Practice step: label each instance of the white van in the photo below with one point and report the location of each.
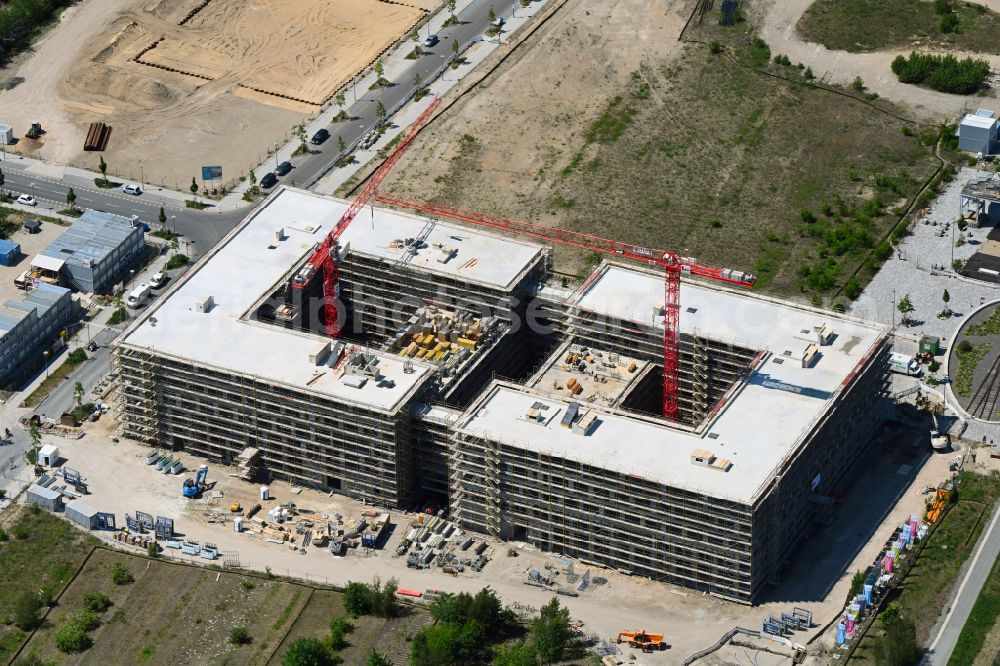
(22, 280)
(904, 365)
(138, 295)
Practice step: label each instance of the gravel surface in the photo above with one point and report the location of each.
(921, 268)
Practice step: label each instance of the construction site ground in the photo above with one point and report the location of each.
(886, 493)
(246, 68)
(604, 122)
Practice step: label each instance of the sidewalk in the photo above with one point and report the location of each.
(474, 56)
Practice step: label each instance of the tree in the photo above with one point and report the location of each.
(103, 166)
(857, 583)
(339, 628)
(356, 599)
(858, 83)
(120, 575)
(376, 659)
(380, 111)
(341, 146)
(78, 394)
(194, 186)
(307, 651)
(905, 307)
(1, 183)
(550, 632)
(71, 199)
(417, 80)
(892, 613)
(492, 16)
(26, 611)
(379, 69)
(454, 48)
(163, 216)
(853, 288)
(946, 297)
(451, 6)
(36, 443)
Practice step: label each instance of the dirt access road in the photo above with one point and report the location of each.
(778, 21)
(221, 86)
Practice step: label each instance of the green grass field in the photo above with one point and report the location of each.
(871, 25)
(174, 613)
(44, 551)
(981, 622)
(925, 590)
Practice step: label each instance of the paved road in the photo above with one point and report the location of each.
(201, 228)
(205, 228)
(89, 374)
(474, 20)
(987, 549)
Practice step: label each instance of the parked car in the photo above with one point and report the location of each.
(283, 168)
(27, 200)
(132, 189)
(269, 180)
(320, 136)
(431, 41)
(158, 280)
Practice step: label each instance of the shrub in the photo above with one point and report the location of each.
(307, 651)
(934, 366)
(120, 575)
(371, 599)
(247, 585)
(852, 289)
(3, 534)
(177, 261)
(26, 611)
(96, 602)
(714, 46)
(339, 628)
(240, 636)
(949, 23)
(964, 347)
(76, 356)
(72, 638)
(86, 620)
(942, 73)
(807, 216)
(858, 83)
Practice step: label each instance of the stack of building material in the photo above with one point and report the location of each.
(97, 137)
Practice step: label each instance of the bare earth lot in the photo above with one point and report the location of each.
(245, 68)
(651, 142)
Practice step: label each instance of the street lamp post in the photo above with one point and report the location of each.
(45, 359)
(142, 178)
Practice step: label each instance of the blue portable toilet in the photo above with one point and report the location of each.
(10, 252)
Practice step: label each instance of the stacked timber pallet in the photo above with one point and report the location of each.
(97, 137)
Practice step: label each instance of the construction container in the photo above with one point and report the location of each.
(81, 514)
(10, 252)
(45, 498)
(265, 493)
(48, 455)
(6, 134)
(928, 343)
(238, 524)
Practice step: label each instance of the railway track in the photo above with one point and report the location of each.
(983, 403)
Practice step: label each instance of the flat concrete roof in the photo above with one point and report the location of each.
(236, 274)
(763, 421)
(976, 120)
(480, 257)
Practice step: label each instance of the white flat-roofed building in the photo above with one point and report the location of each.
(722, 499)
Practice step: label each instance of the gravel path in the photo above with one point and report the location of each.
(778, 29)
(911, 271)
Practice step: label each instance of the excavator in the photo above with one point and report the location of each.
(640, 638)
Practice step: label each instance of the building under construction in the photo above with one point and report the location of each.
(464, 377)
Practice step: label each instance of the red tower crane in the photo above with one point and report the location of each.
(672, 264)
(325, 255)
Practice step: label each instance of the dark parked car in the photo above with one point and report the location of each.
(283, 168)
(269, 180)
(320, 136)
(431, 41)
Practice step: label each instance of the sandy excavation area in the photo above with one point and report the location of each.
(220, 85)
